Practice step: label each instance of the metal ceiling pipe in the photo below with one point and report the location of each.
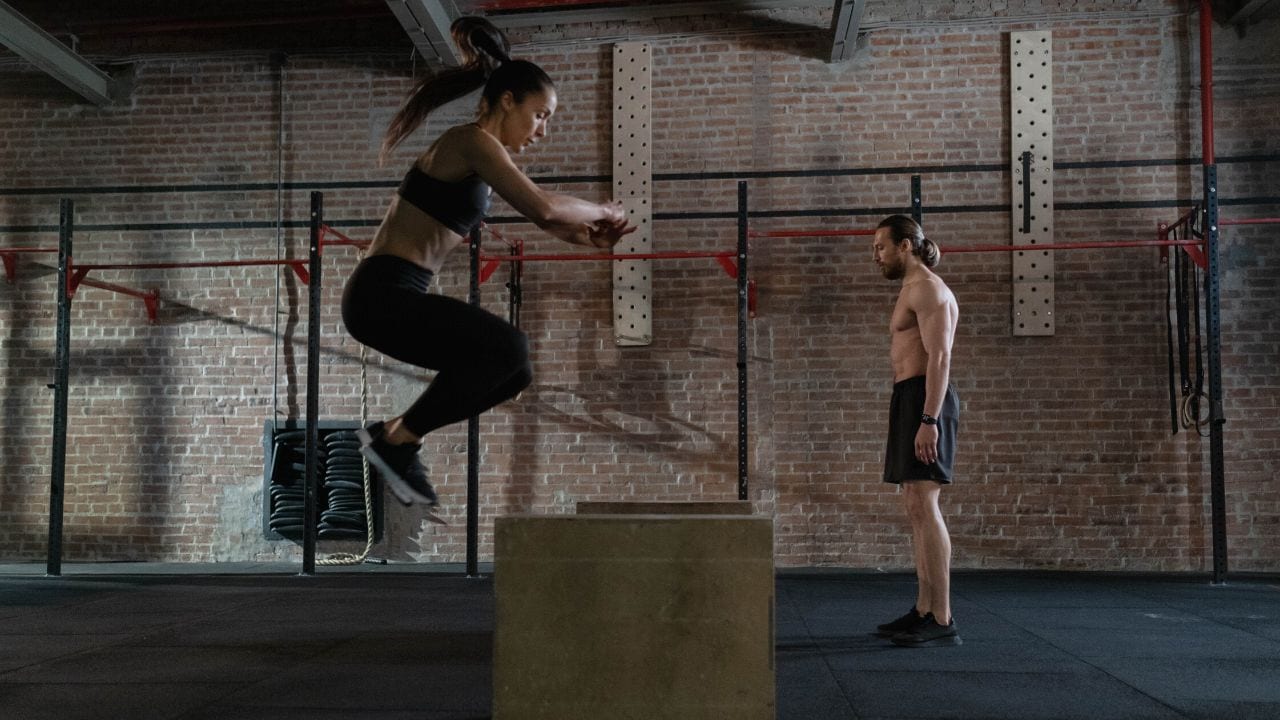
(500, 5)
(152, 26)
(1206, 80)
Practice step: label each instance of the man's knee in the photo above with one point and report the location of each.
(920, 497)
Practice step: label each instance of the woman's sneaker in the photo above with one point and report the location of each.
(907, 622)
(398, 465)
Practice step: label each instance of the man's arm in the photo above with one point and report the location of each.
(932, 306)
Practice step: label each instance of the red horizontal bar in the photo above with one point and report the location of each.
(10, 258)
(725, 259)
(517, 244)
(150, 298)
(81, 272)
(1072, 246)
(172, 266)
(809, 233)
(140, 294)
(325, 229)
(617, 258)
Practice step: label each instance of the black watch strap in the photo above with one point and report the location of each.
(927, 419)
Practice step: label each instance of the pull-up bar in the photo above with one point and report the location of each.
(1071, 246)
(807, 233)
(342, 239)
(10, 258)
(492, 262)
(79, 276)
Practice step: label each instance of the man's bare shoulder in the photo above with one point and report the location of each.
(928, 292)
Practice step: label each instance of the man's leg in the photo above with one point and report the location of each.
(923, 598)
(932, 548)
(915, 617)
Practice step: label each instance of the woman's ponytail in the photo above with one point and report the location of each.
(482, 48)
(478, 41)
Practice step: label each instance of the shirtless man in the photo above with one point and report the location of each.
(923, 417)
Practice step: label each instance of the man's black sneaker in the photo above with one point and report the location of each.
(907, 622)
(928, 634)
(398, 464)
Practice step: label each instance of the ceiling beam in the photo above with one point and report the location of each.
(632, 13)
(45, 52)
(846, 18)
(1247, 10)
(427, 23)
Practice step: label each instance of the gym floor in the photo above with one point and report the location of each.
(155, 641)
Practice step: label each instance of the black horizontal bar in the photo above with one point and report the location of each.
(1264, 200)
(658, 177)
(670, 216)
(199, 188)
(834, 172)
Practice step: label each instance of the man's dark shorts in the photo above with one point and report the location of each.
(905, 408)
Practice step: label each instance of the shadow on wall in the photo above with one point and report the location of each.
(27, 303)
(145, 454)
(801, 39)
(609, 416)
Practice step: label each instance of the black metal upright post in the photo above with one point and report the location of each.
(61, 388)
(473, 437)
(310, 494)
(1217, 471)
(1217, 417)
(917, 200)
(742, 340)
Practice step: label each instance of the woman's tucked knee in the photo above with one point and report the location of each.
(520, 366)
(522, 378)
(516, 356)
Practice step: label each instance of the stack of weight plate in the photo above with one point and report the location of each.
(288, 478)
(343, 516)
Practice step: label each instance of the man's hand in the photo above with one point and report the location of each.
(927, 443)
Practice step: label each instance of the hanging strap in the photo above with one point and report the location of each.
(1191, 410)
(1168, 326)
(354, 558)
(515, 283)
(1184, 323)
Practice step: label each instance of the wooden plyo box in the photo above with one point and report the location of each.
(694, 507)
(643, 617)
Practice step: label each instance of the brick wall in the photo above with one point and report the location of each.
(1066, 460)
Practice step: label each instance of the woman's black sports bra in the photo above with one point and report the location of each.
(459, 206)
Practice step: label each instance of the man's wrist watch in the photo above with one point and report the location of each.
(927, 419)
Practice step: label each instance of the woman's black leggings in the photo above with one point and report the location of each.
(480, 359)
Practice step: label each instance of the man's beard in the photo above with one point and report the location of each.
(893, 272)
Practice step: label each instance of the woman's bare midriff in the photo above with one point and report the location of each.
(409, 233)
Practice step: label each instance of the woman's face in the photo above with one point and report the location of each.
(525, 122)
